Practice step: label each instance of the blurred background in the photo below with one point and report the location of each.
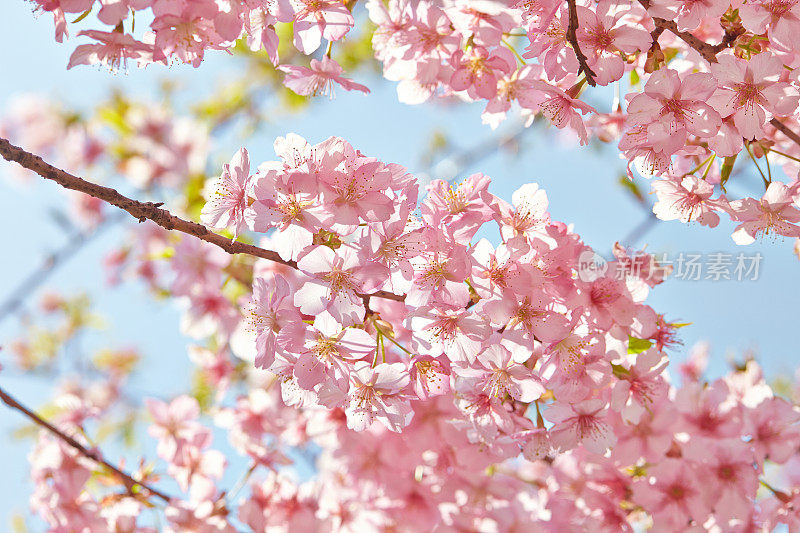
(434, 141)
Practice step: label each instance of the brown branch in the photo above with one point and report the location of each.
(706, 50)
(783, 128)
(125, 478)
(572, 36)
(146, 210)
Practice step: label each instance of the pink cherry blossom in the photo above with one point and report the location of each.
(374, 395)
(580, 423)
(228, 195)
(686, 199)
(318, 80)
(774, 213)
(751, 92)
(113, 50)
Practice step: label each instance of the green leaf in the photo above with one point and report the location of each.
(630, 185)
(638, 345)
(727, 168)
(635, 77)
(620, 371)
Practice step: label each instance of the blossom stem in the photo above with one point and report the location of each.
(514, 51)
(701, 165)
(241, 482)
(787, 156)
(763, 177)
(708, 167)
(384, 334)
(126, 479)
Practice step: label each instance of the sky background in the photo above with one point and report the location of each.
(581, 184)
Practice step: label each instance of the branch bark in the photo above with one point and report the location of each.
(124, 478)
(572, 36)
(147, 210)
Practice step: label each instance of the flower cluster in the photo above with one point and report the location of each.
(437, 379)
(689, 102)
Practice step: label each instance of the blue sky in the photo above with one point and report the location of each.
(580, 182)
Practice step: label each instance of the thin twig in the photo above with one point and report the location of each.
(640, 230)
(783, 128)
(95, 456)
(37, 277)
(146, 210)
(572, 36)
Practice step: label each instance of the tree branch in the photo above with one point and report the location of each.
(146, 210)
(706, 50)
(572, 36)
(783, 128)
(37, 277)
(125, 478)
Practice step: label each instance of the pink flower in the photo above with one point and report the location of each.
(356, 191)
(496, 271)
(603, 39)
(114, 49)
(580, 423)
(527, 215)
(751, 92)
(374, 394)
(774, 213)
(686, 199)
(394, 243)
(497, 374)
(173, 423)
(478, 70)
(648, 439)
(462, 209)
(639, 387)
(774, 430)
(706, 412)
(672, 495)
(318, 19)
(562, 110)
(269, 310)
(689, 14)
(228, 197)
(529, 313)
(325, 350)
(729, 478)
(319, 79)
(455, 333)
(294, 213)
(780, 18)
(335, 280)
(679, 105)
(439, 273)
(429, 378)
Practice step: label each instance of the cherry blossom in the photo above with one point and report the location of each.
(319, 79)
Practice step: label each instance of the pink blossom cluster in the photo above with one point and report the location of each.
(717, 84)
(182, 30)
(450, 356)
(440, 381)
(693, 459)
